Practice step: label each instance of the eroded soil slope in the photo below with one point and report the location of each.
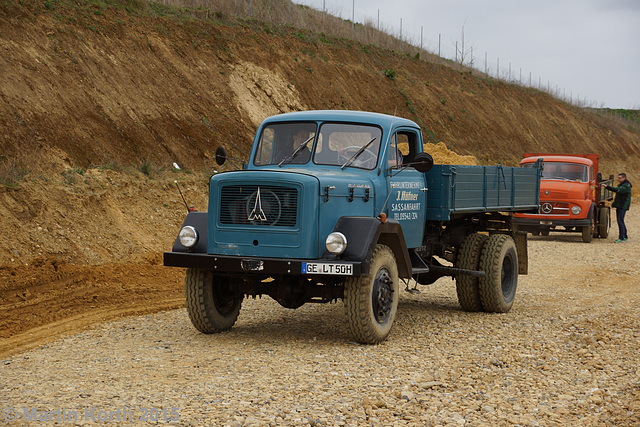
(109, 83)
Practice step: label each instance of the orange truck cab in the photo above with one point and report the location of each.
(571, 198)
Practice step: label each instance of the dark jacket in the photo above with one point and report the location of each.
(622, 199)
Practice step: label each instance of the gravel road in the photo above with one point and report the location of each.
(566, 354)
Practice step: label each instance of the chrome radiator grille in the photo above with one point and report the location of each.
(261, 205)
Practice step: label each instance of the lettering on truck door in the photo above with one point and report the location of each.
(407, 198)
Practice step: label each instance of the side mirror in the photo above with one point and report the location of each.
(599, 177)
(221, 156)
(423, 162)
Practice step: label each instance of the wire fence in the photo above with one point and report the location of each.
(342, 20)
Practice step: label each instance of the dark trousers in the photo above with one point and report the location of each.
(620, 213)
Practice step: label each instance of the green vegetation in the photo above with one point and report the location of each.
(71, 175)
(391, 74)
(430, 136)
(324, 39)
(408, 103)
(303, 37)
(11, 171)
(632, 117)
(145, 168)
(114, 166)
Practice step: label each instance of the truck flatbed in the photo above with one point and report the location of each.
(464, 189)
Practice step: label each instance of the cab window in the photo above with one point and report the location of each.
(403, 148)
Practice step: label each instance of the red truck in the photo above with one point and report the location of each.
(571, 198)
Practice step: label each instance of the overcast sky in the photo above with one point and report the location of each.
(579, 48)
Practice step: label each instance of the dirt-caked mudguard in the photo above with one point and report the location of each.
(363, 233)
(197, 220)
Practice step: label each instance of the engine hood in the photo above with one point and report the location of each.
(563, 190)
(338, 182)
(283, 212)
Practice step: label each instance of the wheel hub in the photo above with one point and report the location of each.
(506, 276)
(382, 295)
(223, 299)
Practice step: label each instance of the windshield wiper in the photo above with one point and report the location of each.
(295, 153)
(360, 151)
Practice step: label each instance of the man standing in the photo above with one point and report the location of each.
(621, 202)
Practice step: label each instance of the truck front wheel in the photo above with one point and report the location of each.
(588, 231)
(499, 261)
(371, 301)
(210, 303)
(604, 223)
(469, 259)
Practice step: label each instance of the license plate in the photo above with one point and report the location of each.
(327, 268)
(546, 222)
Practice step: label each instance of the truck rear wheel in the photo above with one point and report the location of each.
(604, 225)
(499, 261)
(587, 233)
(209, 304)
(371, 301)
(469, 259)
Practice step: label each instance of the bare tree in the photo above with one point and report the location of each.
(462, 52)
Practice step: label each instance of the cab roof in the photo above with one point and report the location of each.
(564, 159)
(345, 116)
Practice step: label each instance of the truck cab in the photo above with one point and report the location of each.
(571, 199)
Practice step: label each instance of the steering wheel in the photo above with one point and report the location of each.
(369, 161)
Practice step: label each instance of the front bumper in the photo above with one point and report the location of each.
(236, 265)
(532, 223)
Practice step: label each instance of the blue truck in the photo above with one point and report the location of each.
(344, 205)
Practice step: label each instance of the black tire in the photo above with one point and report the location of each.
(469, 259)
(588, 231)
(209, 305)
(536, 232)
(604, 223)
(545, 232)
(499, 261)
(371, 301)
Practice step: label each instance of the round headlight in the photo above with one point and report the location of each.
(336, 243)
(576, 210)
(188, 236)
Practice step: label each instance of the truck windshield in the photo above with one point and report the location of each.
(563, 171)
(334, 144)
(349, 145)
(279, 141)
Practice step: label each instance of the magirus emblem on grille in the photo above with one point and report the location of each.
(257, 213)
